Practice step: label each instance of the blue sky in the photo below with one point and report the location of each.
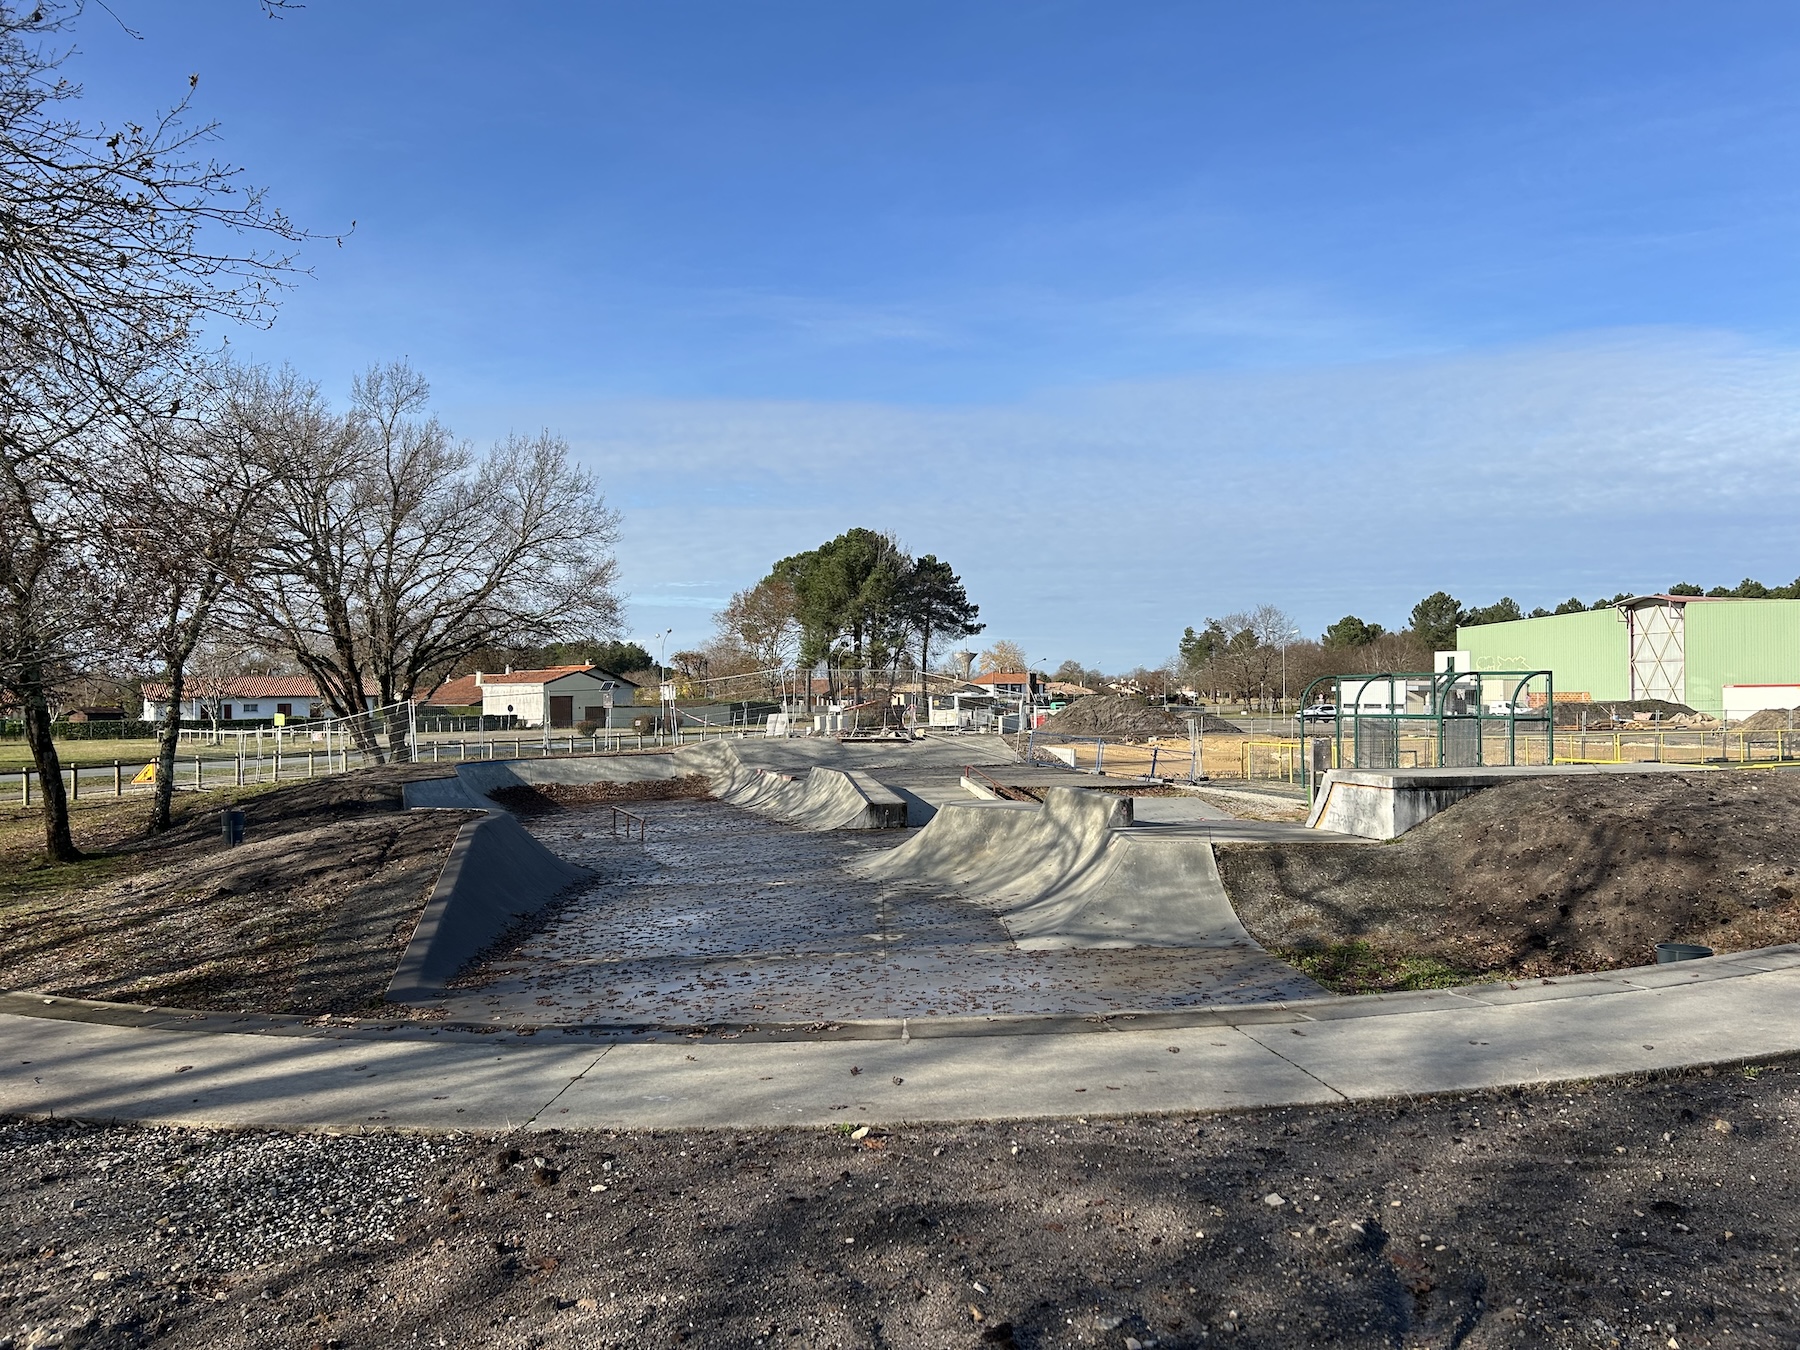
(1136, 314)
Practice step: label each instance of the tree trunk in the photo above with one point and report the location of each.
(168, 739)
(59, 845)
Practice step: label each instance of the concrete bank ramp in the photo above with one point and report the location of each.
(496, 875)
(1072, 873)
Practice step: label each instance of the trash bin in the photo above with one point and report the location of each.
(1680, 951)
(231, 829)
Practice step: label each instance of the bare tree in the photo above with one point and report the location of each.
(179, 496)
(763, 623)
(50, 614)
(1247, 650)
(388, 552)
(1003, 658)
(114, 244)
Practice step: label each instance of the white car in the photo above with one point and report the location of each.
(1319, 710)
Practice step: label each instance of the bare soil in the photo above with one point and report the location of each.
(1629, 1213)
(309, 915)
(1128, 716)
(1623, 712)
(1542, 877)
(543, 798)
(1770, 719)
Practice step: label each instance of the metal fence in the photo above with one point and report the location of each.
(1273, 759)
(234, 760)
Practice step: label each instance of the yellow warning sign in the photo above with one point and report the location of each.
(147, 774)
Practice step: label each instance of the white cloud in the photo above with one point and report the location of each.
(1097, 522)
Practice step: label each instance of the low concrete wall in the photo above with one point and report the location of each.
(1386, 803)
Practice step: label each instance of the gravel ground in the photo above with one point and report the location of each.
(1619, 1214)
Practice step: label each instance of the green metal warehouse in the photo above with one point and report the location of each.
(1718, 656)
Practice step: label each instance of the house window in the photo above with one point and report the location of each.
(252, 707)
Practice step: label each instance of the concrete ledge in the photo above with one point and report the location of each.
(1386, 803)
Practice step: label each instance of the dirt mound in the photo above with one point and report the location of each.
(310, 915)
(1627, 711)
(1771, 719)
(1125, 715)
(536, 799)
(1542, 877)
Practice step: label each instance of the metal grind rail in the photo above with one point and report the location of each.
(642, 823)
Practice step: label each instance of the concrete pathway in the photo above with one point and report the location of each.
(68, 1058)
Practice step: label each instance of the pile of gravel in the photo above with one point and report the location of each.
(228, 1200)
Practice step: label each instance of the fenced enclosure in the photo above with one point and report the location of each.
(1416, 720)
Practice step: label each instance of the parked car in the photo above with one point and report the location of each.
(1319, 711)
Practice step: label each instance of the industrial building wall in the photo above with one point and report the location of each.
(1586, 653)
(1739, 642)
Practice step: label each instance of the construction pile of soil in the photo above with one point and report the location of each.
(1771, 719)
(1629, 712)
(309, 915)
(1125, 716)
(542, 798)
(1543, 877)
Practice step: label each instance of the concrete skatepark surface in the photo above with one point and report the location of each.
(120, 1062)
(722, 916)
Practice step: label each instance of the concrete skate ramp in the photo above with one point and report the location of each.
(496, 874)
(1072, 873)
(824, 798)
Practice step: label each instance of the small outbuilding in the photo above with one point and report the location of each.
(557, 696)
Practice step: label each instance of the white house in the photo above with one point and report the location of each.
(252, 698)
(559, 696)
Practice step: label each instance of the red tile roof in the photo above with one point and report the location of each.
(462, 692)
(248, 686)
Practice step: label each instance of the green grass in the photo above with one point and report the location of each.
(16, 755)
(1358, 968)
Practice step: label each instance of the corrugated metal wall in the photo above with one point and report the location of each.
(1737, 642)
(1587, 652)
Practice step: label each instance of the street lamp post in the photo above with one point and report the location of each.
(1286, 638)
(662, 675)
